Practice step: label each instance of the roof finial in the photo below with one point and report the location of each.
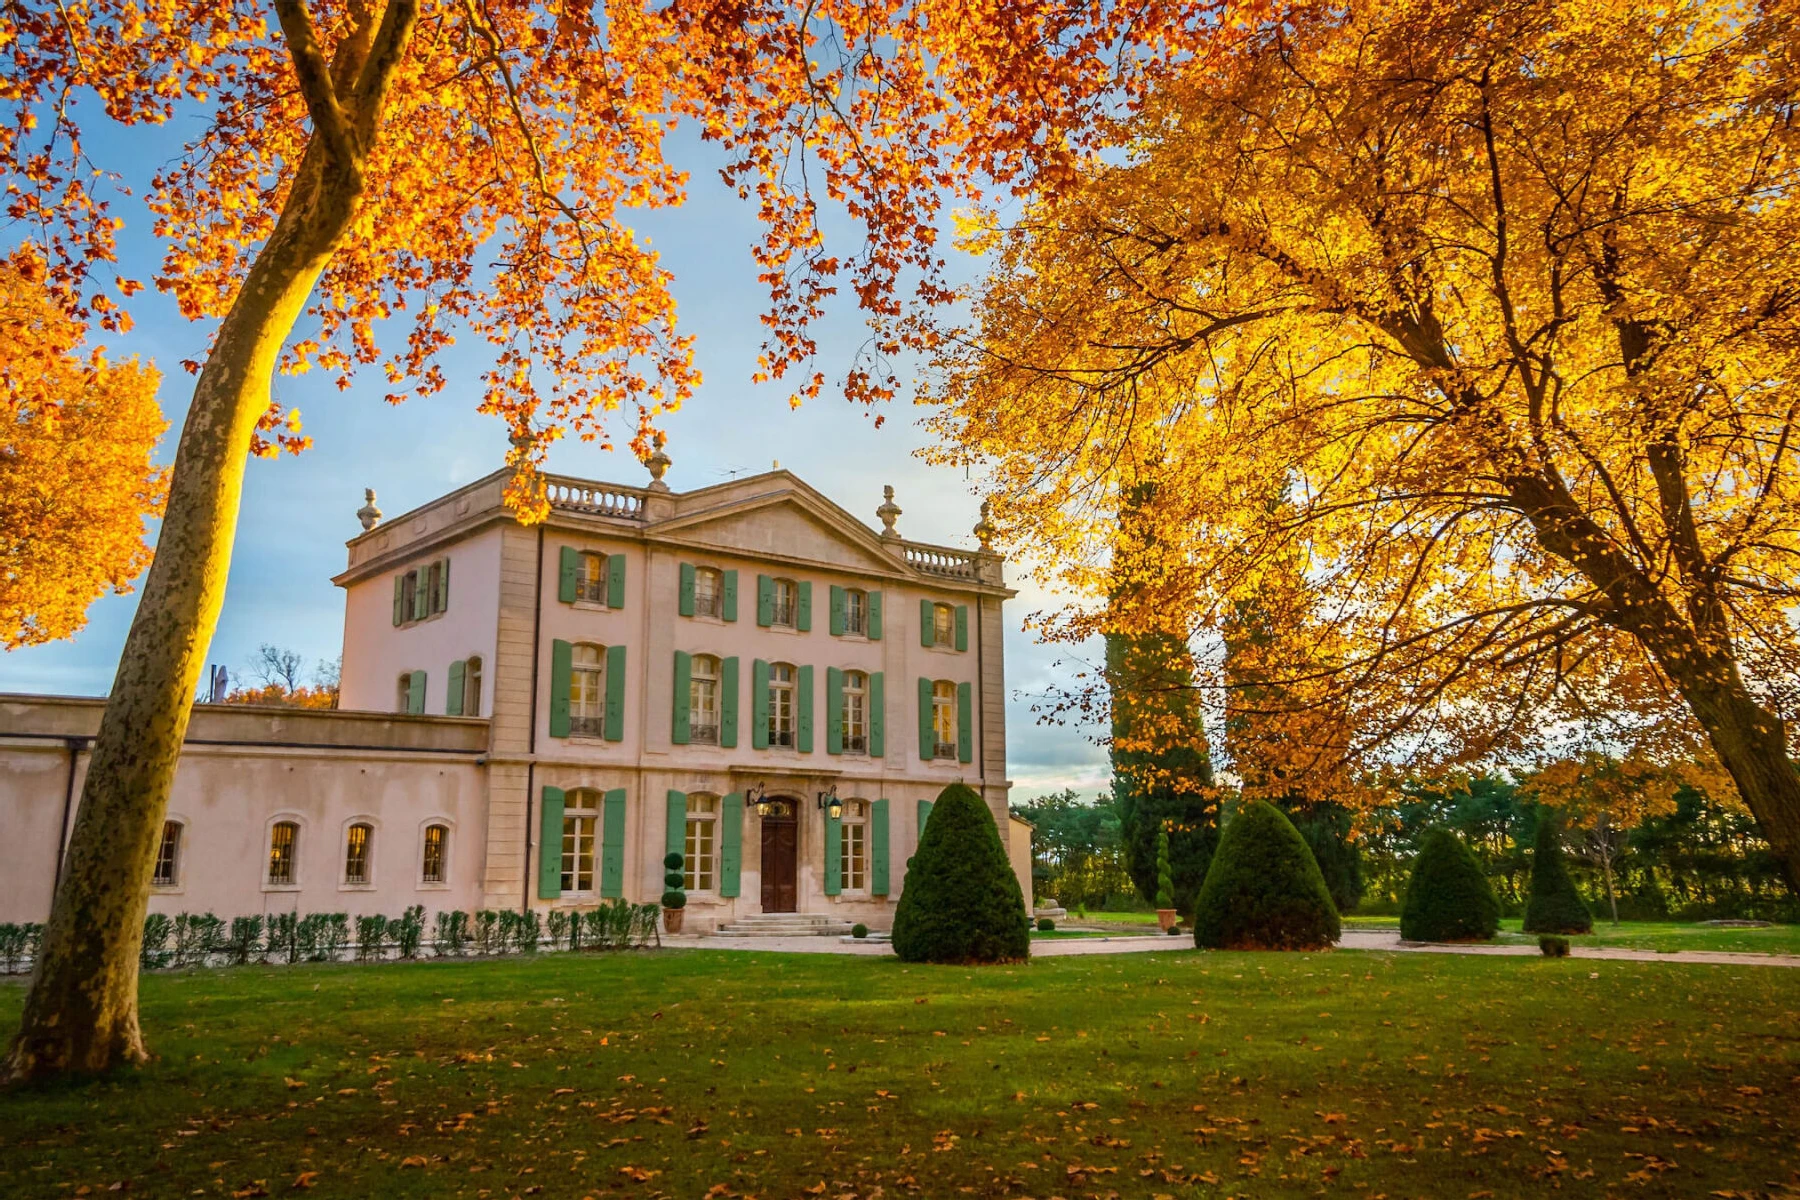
(658, 465)
(984, 528)
(889, 512)
(368, 514)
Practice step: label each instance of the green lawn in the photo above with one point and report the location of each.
(1659, 936)
(693, 1074)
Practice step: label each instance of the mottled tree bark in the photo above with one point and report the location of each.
(81, 1012)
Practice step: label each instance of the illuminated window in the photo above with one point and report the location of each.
(580, 825)
(943, 717)
(356, 852)
(587, 690)
(284, 837)
(437, 842)
(854, 846)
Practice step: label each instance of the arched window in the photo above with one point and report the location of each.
(284, 847)
(781, 704)
(587, 690)
(943, 718)
(168, 857)
(856, 611)
(709, 592)
(943, 625)
(853, 845)
(433, 866)
(856, 712)
(787, 602)
(702, 842)
(590, 580)
(703, 700)
(471, 706)
(359, 842)
(580, 848)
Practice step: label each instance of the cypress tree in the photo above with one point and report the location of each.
(1448, 897)
(961, 902)
(1554, 906)
(1264, 890)
(1165, 880)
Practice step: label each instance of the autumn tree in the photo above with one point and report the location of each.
(77, 479)
(468, 167)
(1505, 296)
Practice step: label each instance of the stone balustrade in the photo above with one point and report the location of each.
(599, 499)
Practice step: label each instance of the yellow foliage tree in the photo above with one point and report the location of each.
(76, 478)
(1505, 296)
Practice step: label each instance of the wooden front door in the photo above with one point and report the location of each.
(780, 860)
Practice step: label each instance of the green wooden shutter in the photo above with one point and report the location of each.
(925, 622)
(962, 627)
(612, 845)
(421, 594)
(924, 816)
(728, 702)
(803, 608)
(684, 603)
(878, 848)
(874, 617)
(615, 581)
(400, 599)
(834, 855)
(550, 838)
(684, 678)
(965, 722)
(675, 840)
(837, 611)
(728, 602)
(803, 701)
(731, 844)
(568, 574)
(759, 705)
(562, 657)
(765, 601)
(454, 689)
(877, 717)
(615, 693)
(834, 711)
(927, 734)
(442, 599)
(415, 694)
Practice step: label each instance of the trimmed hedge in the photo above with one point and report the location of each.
(1264, 890)
(1554, 906)
(961, 902)
(1448, 897)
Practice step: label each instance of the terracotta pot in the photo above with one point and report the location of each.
(1167, 917)
(672, 919)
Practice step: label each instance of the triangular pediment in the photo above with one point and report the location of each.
(777, 521)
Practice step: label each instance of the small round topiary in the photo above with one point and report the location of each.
(859, 930)
(961, 902)
(674, 899)
(1264, 890)
(1046, 925)
(674, 879)
(1551, 946)
(1554, 906)
(672, 861)
(1448, 898)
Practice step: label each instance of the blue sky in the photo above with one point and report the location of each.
(298, 511)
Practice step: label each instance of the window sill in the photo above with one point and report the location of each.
(280, 887)
(589, 739)
(168, 889)
(431, 887)
(591, 605)
(939, 648)
(417, 621)
(356, 887)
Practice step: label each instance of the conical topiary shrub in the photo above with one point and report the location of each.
(1554, 906)
(1264, 890)
(1448, 898)
(961, 902)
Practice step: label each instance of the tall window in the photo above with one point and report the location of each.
(856, 611)
(702, 841)
(787, 601)
(856, 712)
(356, 853)
(409, 598)
(284, 838)
(703, 700)
(943, 717)
(403, 692)
(781, 704)
(587, 690)
(943, 625)
(437, 844)
(471, 705)
(168, 856)
(854, 843)
(590, 581)
(709, 593)
(580, 820)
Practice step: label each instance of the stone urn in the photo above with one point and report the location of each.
(1168, 918)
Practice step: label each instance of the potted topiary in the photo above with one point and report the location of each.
(674, 900)
(1166, 916)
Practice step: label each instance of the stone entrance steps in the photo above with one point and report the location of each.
(784, 925)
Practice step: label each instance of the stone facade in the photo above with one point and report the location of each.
(636, 673)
